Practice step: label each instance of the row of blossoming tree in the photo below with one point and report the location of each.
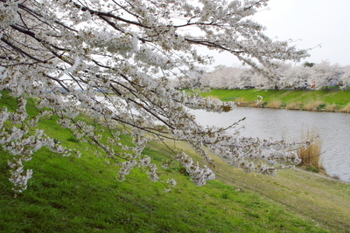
(303, 76)
(61, 53)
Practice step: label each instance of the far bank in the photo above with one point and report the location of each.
(331, 100)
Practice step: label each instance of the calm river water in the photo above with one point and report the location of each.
(333, 129)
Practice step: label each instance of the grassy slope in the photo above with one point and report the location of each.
(339, 97)
(69, 194)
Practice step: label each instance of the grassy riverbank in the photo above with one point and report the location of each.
(333, 100)
(70, 194)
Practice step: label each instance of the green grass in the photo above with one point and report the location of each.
(70, 194)
(329, 97)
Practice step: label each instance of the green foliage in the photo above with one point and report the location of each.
(219, 67)
(308, 64)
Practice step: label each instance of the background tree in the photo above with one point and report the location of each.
(228, 78)
(281, 68)
(261, 81)
(218, 78)
(190, 80)
(308, 64)
(224, 78)
(242, 78)
(324, 75)
(297, 77)
(126, 49)
(345, 79)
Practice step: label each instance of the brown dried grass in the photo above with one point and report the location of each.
(313, 105)
(346, 109)
(331, 107)
(241, 102)
(275, 104)
(294, 106)
(310, 155)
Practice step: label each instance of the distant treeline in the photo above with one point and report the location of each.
(305, 76)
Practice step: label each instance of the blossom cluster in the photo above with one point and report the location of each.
(198, 175)
(22, 144)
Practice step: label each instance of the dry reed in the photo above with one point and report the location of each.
(310, 155)
(346, 109)
(313, 105)
(331, 108)
(274, 104)
(241, 102)
(294, 106)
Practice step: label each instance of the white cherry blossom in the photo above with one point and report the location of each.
(63, 52)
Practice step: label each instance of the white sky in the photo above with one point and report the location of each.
(309, 23)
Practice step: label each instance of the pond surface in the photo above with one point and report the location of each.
(333, 129)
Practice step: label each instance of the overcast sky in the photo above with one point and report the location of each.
(309, 23)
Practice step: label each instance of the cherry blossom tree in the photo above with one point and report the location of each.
(189, 80)
(298, 77)
(62, 52)
(220, 78)
(228, 78)
(345, 79)
(325, 74)
(246, 78)
(278, 81)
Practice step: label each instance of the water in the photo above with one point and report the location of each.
(333, 129)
